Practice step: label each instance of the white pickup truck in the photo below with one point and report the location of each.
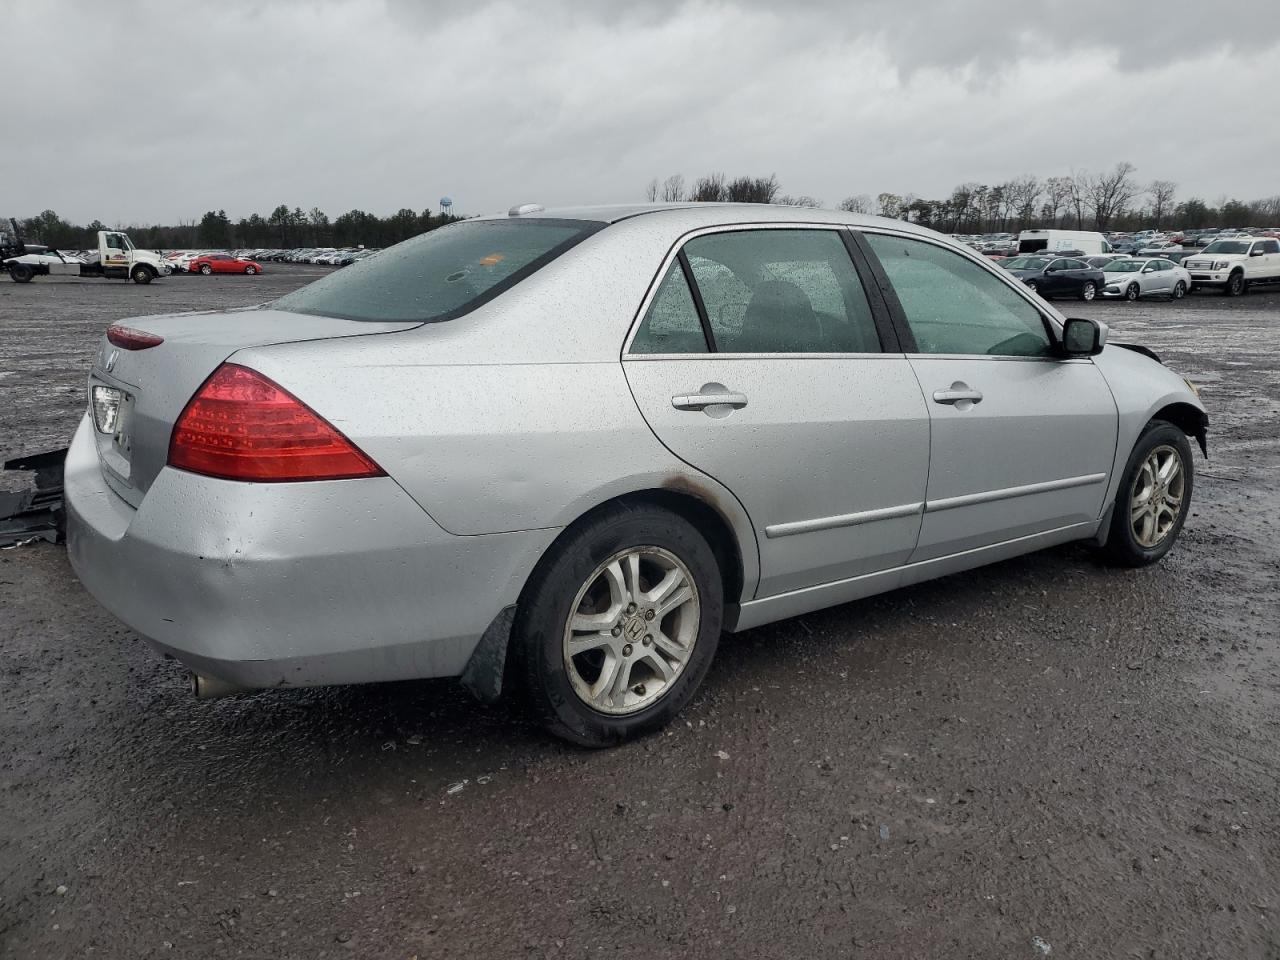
(115, 258)
(1235, 265)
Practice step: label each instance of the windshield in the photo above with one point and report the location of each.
(1125, 266)
(441, 274)
(1227, 246)
(1024, 263)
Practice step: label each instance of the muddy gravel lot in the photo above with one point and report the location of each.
(1042, 756)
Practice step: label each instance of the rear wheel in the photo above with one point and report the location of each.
(1179, 290)
(1089, 290)
(142, 274)
(1154, 496)
(21, 272)
(206, 269)
(618, 626)
(1236, 287)
(1132, 292)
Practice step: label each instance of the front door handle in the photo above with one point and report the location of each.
(700, 401)
(959, 395)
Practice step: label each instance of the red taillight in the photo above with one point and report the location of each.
(131, 339)
(241, 426)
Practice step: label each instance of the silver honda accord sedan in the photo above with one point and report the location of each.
(560, 451)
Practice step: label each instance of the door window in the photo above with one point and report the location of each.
(1271, 246)
(955, 306)
(782, 291)
(672, 324)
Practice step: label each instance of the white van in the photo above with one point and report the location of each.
(1052, 241)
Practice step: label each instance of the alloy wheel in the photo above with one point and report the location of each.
(1155, 502)
(631, 630)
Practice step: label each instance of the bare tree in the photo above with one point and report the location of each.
(709, 189)
(1057, 190)
(787, 200)
(1079, 188)
(651, 191)
(753, 189)
(1022, 193)
(1109, 193)
(1162, 193)
(673, 188)
(858, 204)
(890, 204)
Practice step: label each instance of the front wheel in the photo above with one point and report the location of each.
(142, 275)
(1154, 497)
(206, 269)
(251, 270)
(618, 625)
(1033, 286)
(1132, 292)
(1236, 286)
(1179, 290)
(1089, 290)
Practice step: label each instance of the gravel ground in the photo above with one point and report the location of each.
(1044, 755)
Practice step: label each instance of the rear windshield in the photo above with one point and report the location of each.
(441, 274)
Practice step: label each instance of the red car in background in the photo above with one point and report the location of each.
(208, 263)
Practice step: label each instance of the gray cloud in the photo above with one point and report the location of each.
(134, 113)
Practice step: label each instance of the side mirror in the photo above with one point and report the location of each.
(1148, 269)
(1082, 337)
(1255, 253)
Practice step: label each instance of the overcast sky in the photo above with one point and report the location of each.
(137, 112)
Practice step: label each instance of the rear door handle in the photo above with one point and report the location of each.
(959, 393)
(700, 401)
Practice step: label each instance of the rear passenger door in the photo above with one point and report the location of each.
(761, 360)
(1022, 441)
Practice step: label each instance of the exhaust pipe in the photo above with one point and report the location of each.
(208, 688)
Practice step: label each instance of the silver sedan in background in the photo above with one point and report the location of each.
(561, 451)
(1141, 277)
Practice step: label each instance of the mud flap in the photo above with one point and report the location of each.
(483, 673)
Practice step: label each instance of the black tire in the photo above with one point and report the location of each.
(142, 274)
(1132, 292)
(1033, 286)
(537, 637)
(206, 269)
(21, 272)
(1236, 286)
(1089, 290)
(1122, 546)
(251, 270)
(1179, 290)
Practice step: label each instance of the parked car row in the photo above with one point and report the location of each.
(327, 256)
(1229, 265)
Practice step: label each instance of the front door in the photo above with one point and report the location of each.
(1022, 442)
(769, 373)
(115, 255)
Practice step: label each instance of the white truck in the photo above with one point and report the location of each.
(115, 258)
(1084, 242)
(1235, 265)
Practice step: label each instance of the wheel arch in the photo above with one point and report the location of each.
(1190, 419)
(486, 675)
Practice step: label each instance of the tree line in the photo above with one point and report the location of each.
(282, 228)
(1111, 200)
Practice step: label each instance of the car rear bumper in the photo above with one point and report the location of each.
(290, 584)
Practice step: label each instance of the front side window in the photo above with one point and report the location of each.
(782, 291)
(672, 324)
(441, 274)
(954, 306)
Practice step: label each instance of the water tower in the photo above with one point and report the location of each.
(446, 205)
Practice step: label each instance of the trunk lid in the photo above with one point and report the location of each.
(155, 384)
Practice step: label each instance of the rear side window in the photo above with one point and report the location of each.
(954, 306)
(672, 324)
(441, 274)
(782, 291)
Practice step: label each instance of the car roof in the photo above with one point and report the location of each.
(694, 215)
